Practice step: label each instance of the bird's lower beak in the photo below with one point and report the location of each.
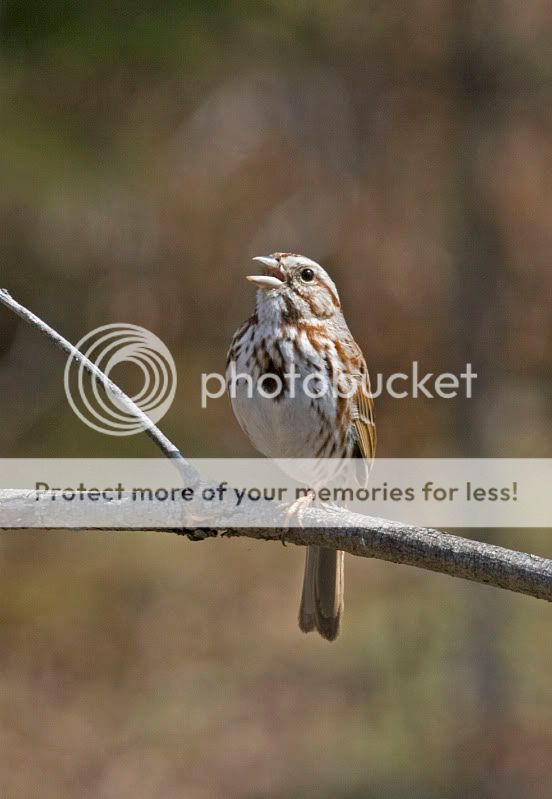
(275, 276)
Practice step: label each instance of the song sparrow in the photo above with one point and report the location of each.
(298, 328)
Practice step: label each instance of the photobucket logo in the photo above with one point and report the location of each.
(316, 385)
(110, 346)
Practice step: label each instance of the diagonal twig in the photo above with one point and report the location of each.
(160, 439)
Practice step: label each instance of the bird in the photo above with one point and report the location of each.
(298, 328)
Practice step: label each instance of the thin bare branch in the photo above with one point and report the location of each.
(160, 439)
(333, 528)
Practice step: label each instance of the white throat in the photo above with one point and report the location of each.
(270, 309)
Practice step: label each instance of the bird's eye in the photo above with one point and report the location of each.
(307, 275)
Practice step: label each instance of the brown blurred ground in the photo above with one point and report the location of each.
(145, 155)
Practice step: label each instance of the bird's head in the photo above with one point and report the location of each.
(301, 288)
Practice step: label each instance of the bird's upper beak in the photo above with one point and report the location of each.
(275, 275)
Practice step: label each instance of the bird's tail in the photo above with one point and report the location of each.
(322, 598)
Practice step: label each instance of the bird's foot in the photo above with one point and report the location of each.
(297, 511)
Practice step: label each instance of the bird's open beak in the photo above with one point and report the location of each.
(275, 276)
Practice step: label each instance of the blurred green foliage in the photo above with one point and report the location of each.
(144, 34)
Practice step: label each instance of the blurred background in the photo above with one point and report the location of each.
(147, 152)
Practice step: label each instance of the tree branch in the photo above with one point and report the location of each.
(160, 439)
(330, 527)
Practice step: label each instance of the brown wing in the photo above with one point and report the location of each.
(363, 414)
